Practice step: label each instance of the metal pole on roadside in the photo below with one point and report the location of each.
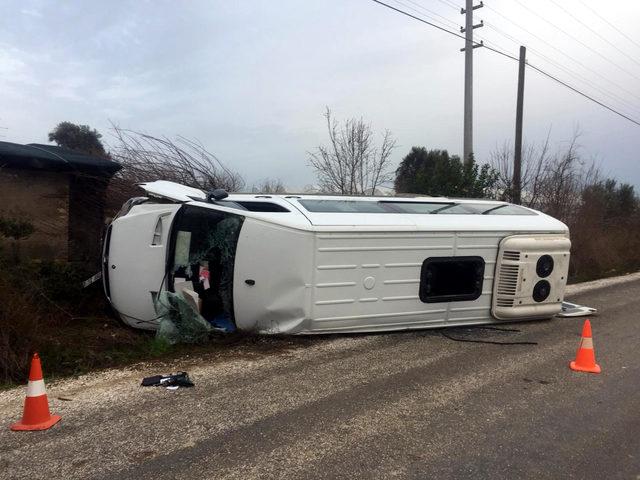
(517, 151)
(468, 76)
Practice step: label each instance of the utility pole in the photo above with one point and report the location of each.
(517, 151)
(468, 75)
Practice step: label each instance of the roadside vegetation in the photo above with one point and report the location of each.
(44, 308)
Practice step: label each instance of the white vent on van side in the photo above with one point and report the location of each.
(508, 279)
(511, 255)
(507, 282)
(504, 302)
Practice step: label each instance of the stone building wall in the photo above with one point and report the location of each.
(42, 198)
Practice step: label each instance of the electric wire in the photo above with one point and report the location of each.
(611, 95)
(539, 70)
(507, 55)
(418, 19)
(421, 11)
(550, 45)
(450, 4)
(610, 24)
(431, 12)
(604, 57)
(595, 32)
(490, 342)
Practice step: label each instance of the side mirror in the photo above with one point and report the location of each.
(217, 194)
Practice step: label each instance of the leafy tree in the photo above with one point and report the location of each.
(610, 200)
(81, 138)
(435, 172)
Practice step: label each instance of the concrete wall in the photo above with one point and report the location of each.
(42, 198)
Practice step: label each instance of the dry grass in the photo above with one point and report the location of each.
(604, 249)
(44, 309)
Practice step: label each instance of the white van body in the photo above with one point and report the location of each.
(323, 264)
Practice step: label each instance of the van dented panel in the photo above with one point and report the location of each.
(273, 278)
(329, 282)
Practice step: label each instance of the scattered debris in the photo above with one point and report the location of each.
(171, 381)
(180, 321)
(466, 333)
(575, 310)
(92, 280)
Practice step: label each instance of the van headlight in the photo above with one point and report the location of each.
(544, 267)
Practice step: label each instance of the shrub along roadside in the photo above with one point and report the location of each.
(43, 308)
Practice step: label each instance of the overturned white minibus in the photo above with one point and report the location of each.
(318, 264)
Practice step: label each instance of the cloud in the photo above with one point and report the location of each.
(31, 12)
(251, 81)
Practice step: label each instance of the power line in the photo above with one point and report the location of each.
(504, 54)
(419, 19)
(566, 70)
(610, 24)
(449, 4)
(583, 94)
(612, 96)
(455, 34)
(420, 7)
(595, 32)
(550, 45)
(607, 59)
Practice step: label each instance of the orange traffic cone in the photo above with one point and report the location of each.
(585, 358)
(36, 414)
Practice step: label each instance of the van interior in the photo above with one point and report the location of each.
(202, 256)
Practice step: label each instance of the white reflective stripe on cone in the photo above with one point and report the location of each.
(587, 342)
(35, 388)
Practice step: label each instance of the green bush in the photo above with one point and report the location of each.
(435, 172)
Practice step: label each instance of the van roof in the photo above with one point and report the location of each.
(336, 212)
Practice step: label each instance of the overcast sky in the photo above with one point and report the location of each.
(250, 79)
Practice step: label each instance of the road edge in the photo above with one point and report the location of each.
(578, 288)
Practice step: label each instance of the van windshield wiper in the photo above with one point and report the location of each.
(488, 211)
(438, 210)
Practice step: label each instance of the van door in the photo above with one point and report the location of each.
(201, 261)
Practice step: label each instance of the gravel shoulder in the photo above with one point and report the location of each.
(405, 405)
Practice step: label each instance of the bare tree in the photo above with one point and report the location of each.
(551, 181)
(147, 158)
(534, 161)
(352, 164)
(269, 185)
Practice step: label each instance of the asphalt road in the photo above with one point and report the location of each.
(404, 405)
